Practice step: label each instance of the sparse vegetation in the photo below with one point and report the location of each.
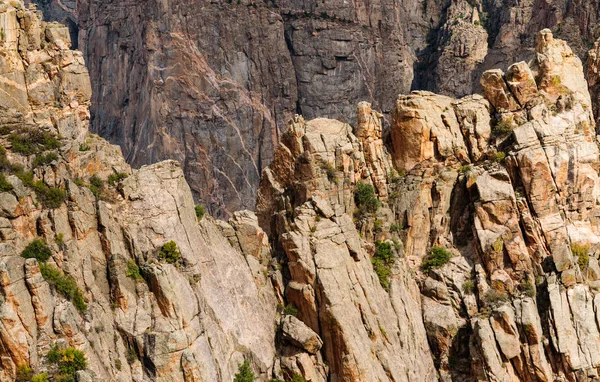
(298, 378)
(437, 258)
(465, 169)
(290, 310)
(527, 289)
(5, 186)
(329, 170)
(582, 253)
(84, 147)
(495, 298)
(51, 197)
(395, 227)
(499, 156)
(64, 284)
(44, 159)
(377, 225)
(60, 239)
(468, 287)
(96, 185)
(498, 245)
(245, 373)
(366, 199)
(24, 373)
(200, 211)
(169, 252)
(68, 362)
(116, 178)
(42, 377)
(382, 262)
(503, 127)
(133, 271)
(32, 141)
(37, 249)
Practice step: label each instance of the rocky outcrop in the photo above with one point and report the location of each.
(213, 86)
(465, 251)
(192, 317)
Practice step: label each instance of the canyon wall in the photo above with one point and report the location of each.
(212, 84)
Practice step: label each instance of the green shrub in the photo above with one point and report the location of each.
(84, 147)
(377, 225)
(37, 249)
(465, 169)
(117, 177)
(44, 159)
(582, 253)
(290, 310)
(527, 289)
(468, 287)
(64, 284)
(169, 252)
(24, 372)
(96, 185)
(366, 199)
(200, 211)
(43, 377)
(499, 156)
(133, 271)
(51, 197)
(68, 360)
(32, 141)
(25, 176)
(395, 227)
(382, 263)
(495, 298)
(329, 170)
(245, 373)
(60, 239)
(437, 258)
(298, 378)
(5, 186)
(503, 127)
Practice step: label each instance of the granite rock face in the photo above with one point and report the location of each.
(466, 248)
(212, 84)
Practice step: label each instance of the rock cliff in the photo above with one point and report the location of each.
(464, 249)
(212, 84)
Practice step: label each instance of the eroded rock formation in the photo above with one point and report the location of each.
(475, 259)
(212, 84)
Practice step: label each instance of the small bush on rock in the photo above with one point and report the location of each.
(133, 270)
(582, 253)
(116, 178)
(437, 258)
(5, 186)
(495, 298)
(65, 285)
(200, 211)
(37, 249)
(51, 197)
(68, 361)
(44, 159)
(32, 141)
(24, 373)
(96, 185)
(366, 199)
(169, 252)
(290, 310)
(245, 373)
(382, 263)
(298, 378)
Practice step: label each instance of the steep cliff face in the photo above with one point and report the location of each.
(95, 278)
(212, 84)
(466, 250)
